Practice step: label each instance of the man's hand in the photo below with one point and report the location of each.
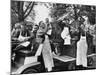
(26, 39)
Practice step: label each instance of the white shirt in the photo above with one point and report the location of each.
(65, 35)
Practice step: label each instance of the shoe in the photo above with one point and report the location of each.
(84, 68)
(78, 67)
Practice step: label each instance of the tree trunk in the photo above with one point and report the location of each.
(20, 11)
(75, 11)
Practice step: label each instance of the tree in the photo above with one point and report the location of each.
(58, 10)
(21, 9)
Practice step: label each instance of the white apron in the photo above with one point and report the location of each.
(65, 35)
(47, 55)
(21, 38)
(81, 58)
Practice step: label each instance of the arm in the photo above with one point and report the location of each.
(29, 37)
(13, 34)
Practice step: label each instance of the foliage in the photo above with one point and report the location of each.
(20, 10)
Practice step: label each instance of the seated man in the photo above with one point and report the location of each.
(24, 38)
(16, 31)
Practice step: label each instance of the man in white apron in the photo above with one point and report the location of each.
(81, 57)
(45, 46)
(67, 39)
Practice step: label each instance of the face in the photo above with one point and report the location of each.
(40, 23)
(83, 26)
(23, 28)
(18, 26)
(47, 20)
(35, 27)
(30, 28)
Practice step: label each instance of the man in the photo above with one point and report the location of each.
(24, 37)
(49, 33)
(16, 31)
(44, 47)
(34, 31)
(66, 37)
(82, 47)
(49, 27)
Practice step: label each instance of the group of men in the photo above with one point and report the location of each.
(36, 39)
(41, 34)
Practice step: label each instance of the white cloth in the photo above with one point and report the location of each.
(81, 58)
(21, 38)
(49, 30)
(65, 35)
(29, 60)
(33, 59)
(39, 50)
(47, 55)
(67, 40)
(25, 44)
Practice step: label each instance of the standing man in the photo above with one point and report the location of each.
(49, 33)
(67, 38)
(44, 47)
(49, 27)
(65, 34)
(82, 47)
